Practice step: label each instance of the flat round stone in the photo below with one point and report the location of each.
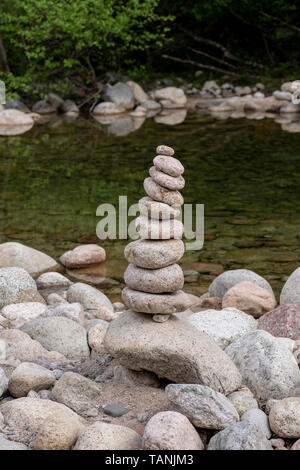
(169, 165)
(167, 181)
(153, 229)
(157, 210)
(165, 150)
(154, 254)
(156, 281)
(162, 304)
(158, 193)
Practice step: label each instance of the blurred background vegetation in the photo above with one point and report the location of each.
(71, 45)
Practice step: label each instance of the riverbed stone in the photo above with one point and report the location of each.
(157, 210)
(83, 256)
(285, 417)
(169, 430)
(58, 432)
(52, 282)
(15, 117)
(153, 229)
(169, 165)
(138, 92)
(223, 326)
(96, 335)
(120, 94)
(168, 279)
(240, 436)
(107, 108)
(29, 376)
(204, 407)
(290, 294)
(165, 150)
(92, 299)
(258, 418)
(174, 94)
(77, 392)
(74, 311)
(268, 366)
(17, 286)
(250, 298)
(163, 304)
(13, 254)
(106, 436)
(174, 350)
(228, 279)
(283, 321)
(154, 254)
(242, 401)
(161, 194)
(18, 314)
(59, 334)
(169, 182)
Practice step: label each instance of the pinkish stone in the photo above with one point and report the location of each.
(83, 256)
(284, 321)
(250, 298)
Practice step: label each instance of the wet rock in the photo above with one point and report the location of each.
(108, 108)
(223, 326)
(268, 367)
(58, 432)
(29, 376)
(115, 409)
(250, 298)
(137, 91)
(242, 401)
(290, 294)
(228, 279)
(120, 94)
(284, 321)
(290, 108)
(92, 299)
(105, 436)
(151, 105)
(167, 279)
(187, 356)
(169, 165)
(282, 95)
(69, 107)
(43, 107)
(240, 436)
(259, 419)
(59, 334)
(16, 104)
(176, 95)
(83, 256)
(14, 117)
(17, 286)
(204, 407)
(170, 430)
(162, 304)
(18, 314)
(153, 229)
(55, 100)
(158, 193)
(77, 392)
(13, 254)
(133, 377)
(285, 417)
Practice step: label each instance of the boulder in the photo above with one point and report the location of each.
(18, 314)
(285, 417)
(77, 392)
(137, 91)
(52, 282)
(174, 350)
(69, 107)
(242, 401)
(176, 95)
(108, 108)
(240, 436)
(83, 256)
(120, 94)
(169, 430)
(223, 326)
(29, 376)
(228, 279)
(14, 117)
(43, 107)
(13, 254)
(59, 334)
(250, 298)
(204, 407)
(290, 294)
(92, 299)
(283, 321)
(259, 419)
(58, 432)
(106, 436)
(16, 104)
(17, 286)
(268, 366)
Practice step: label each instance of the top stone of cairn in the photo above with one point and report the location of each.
(164, 150)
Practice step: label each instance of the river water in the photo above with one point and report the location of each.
(245, 172)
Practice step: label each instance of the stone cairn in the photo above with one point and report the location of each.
(153, 278)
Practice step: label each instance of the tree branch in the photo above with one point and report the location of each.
(216, 59)
(201, 66)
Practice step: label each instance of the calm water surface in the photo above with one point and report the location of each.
(246, 173)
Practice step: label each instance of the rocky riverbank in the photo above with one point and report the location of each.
(124, 106)
(78, 371)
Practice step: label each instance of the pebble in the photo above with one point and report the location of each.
(157, 210)
(168, 165)
(29, 376)
(161, 194)
(285, 417)
(160, 318)
(153, 254)
(165, 150)
(168, 279)
(260, 419)
(106, 436)
(169, 182)
(250, 298)
(152, 229)
(242, 401)
(163, 304)
(83, 256)
(115, 409)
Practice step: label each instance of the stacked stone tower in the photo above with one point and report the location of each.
(153, 278)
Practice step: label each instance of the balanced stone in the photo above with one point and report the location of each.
(168, 279)
(165, 150)
(169, 165)
(157, 210)
(164, 304)
(158, 193)
(167, 181)
(153, 229)
(154, 254)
